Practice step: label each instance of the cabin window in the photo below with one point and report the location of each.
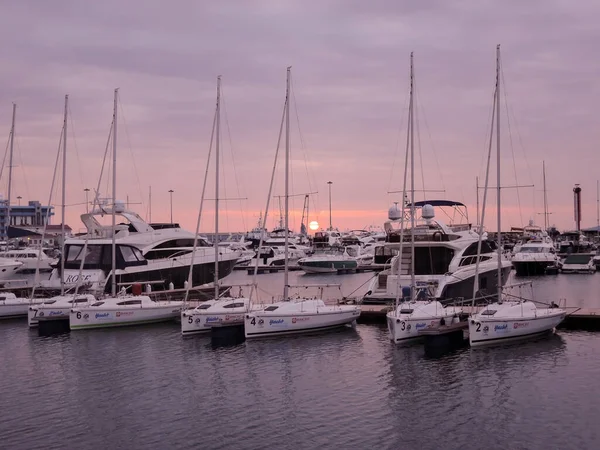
(93, 254)
(406, 311)
(483, 283)
(31, 255)
(271, 308)
(486, 247)
(128, 254)
(432, 260)
(234, 305)
(3, 298)
(204, 306)
(49, 302)
(130, 302)
(488, 312)
(186, 242)
(80, 300)
(98, 304)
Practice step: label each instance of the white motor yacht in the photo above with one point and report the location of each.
(534, 256)
(330, 260)
(9, 269)
(156, 253)
(445, 257)
(30, 258)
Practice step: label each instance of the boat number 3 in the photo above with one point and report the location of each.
(402, 326)
(253, 321)
(79, 315)
(190, 319)
(478, 329)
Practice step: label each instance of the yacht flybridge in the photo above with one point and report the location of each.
(144, 254)
(445, 256)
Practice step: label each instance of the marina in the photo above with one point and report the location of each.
(299, 225)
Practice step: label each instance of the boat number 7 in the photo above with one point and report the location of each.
(402, 326)
(478, 329)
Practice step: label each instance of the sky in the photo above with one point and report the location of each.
(350, 84)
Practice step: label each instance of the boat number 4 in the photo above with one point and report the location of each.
(253, 321)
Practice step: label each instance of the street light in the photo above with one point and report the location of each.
(171, 201)
(87, 203)
(330, 225)
(19, 198)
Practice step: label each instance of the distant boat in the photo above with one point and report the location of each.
(329, 260)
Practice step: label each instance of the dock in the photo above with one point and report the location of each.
(275, 269)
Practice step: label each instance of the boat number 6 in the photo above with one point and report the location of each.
(478, 329)
(402, 326)
(79, 315)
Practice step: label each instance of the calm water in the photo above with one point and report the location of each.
(150, 388)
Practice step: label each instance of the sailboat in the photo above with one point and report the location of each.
(11, 305)
(295, 315)
(512, 317)
(124, 309)
(417, 310)
(58, 307)
(224, 310)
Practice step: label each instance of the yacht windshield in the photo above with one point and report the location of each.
(533, 249)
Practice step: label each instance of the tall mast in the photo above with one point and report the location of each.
(217, 142)
(10, 167)
(64, 199)
(498, 172)
(149, 204)
(113, 289)
(287, 169)
(545, 197)
(412, 181)
(477, 196)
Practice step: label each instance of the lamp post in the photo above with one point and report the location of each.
(19, 199)
(87, 203)
(171, 202)
(330, 225)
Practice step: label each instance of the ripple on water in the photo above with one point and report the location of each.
(149, 388)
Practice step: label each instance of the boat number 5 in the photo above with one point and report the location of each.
(478, 329)
(402, 326)
(190, 319)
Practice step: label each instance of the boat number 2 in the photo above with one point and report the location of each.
(253, 321)
(402, 326)
(478, 329)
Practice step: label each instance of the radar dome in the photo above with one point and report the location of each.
(427, 212)
(119, 206)
(394, 212)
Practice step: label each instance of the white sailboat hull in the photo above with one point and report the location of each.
(489, 332)
(259, 324)
(91, 317)
(406, 330)
(14, 307)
